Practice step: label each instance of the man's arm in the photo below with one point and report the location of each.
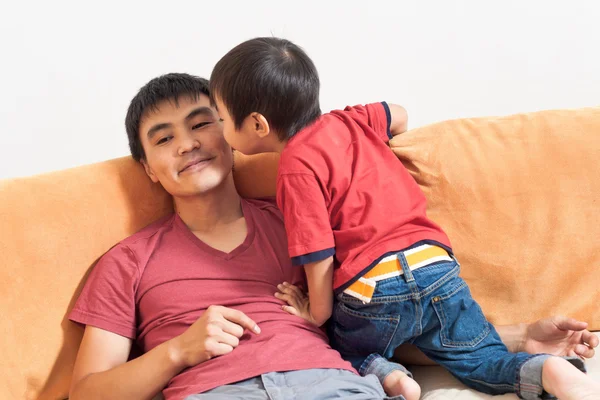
(102, 371)
(556, 335)
(399, 120)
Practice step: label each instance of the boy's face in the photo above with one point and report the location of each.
(248, 139)
(184, 146)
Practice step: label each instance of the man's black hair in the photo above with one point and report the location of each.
(273, 77)
(166, 87)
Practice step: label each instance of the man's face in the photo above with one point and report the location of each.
(184, 146)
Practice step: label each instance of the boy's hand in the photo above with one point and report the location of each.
(298, 302)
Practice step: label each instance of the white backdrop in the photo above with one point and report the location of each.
(69, 69)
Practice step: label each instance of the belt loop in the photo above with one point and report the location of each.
(408, 276)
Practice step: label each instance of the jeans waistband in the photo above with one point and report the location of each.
(390, 266)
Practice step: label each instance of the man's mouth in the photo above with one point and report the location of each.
(196, 165)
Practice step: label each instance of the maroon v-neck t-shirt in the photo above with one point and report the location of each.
(153, 285)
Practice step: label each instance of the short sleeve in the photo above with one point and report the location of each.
(107, 300)
(375, 115)
(307, 225)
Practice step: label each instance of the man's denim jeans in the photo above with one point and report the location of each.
(432, 308)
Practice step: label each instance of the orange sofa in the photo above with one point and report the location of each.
(517, 195)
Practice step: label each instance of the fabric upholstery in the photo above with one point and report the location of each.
(517, 196)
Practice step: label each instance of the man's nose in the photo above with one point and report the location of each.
(187, 143)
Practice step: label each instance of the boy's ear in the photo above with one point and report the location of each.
(259, 124)
(149, 171)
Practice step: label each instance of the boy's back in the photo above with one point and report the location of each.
(343, 192)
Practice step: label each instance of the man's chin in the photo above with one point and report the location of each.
(202, 184)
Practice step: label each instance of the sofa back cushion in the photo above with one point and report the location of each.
(519, 199)
(517, 195)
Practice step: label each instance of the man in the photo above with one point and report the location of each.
(195, 290)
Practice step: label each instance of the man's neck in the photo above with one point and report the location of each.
(205, 212)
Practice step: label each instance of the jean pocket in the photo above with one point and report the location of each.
(462, 323)
(361, 333)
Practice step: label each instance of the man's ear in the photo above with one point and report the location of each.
(258, 124)
(149, 171)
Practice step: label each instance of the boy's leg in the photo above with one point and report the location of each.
(566, 382)
(457, 336)
(395, 378)
(365, 332)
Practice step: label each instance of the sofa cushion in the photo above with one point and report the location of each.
(518, 197)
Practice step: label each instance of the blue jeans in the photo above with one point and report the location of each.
(432, 308)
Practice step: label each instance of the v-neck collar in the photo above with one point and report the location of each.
(247, 213)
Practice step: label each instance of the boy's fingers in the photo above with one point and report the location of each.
(286, 297)
(297, 291)
(291, 310)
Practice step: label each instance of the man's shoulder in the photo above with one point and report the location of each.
(129, 255)
(264, 204)
(148, 232)
(267, 209)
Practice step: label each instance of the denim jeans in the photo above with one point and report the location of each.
(432, 308)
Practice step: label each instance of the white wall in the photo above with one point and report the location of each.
(69, 69)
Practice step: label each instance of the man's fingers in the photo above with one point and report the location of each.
(218, 349)
(232, 328)
(227, 339)
(240, 318)
(591, 339)
(568, 324)
(582, 350)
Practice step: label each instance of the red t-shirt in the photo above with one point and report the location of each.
(153, 285)
(343, 191)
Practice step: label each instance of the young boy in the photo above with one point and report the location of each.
(357, 221)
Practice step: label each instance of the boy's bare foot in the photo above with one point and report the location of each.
(563, 380)
(398, 383)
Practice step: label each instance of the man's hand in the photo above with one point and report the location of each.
(560, 336)
(298, 302)
(216, 333)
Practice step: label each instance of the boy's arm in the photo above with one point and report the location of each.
(399, 119)
(319, 278)
(317, 307)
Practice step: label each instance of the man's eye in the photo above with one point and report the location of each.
(164, 140)
(200, 125)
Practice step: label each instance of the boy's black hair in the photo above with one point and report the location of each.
(273, 77)
(166, 87)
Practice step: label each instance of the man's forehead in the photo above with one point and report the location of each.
(176, 107)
